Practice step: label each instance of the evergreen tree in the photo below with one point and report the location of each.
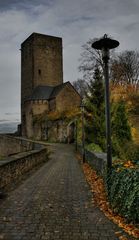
(121, 130)
(120, 125)
(95, 111)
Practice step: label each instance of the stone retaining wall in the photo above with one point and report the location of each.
(16, 167)
(13, 167)
(96, 160)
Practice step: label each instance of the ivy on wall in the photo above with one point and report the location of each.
(56, 115)
(124, 191)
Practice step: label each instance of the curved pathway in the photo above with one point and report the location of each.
(54, 204)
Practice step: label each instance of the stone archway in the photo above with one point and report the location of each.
(71, 132)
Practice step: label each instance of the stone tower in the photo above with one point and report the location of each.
(41, 64)
(43, 92)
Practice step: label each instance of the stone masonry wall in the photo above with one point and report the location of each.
(13, 167)
(48, 63)
(57, 131)
(97, 160)
(67, 99)
(10, 145)
(33, 109)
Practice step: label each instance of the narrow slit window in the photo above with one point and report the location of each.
(39, 71)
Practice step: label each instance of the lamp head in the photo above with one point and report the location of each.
(105, 43)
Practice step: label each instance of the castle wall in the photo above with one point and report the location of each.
(57, 131)
(42, 65)
(67, 99)
(36, 116)
(54, 131)
(34, 119)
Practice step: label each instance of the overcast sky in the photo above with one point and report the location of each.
(76, 21)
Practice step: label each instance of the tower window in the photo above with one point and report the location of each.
(39, 71)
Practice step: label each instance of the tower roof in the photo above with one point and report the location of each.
(46, 92)
(42, 93)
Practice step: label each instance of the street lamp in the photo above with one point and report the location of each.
(105, 44)
(83, 133)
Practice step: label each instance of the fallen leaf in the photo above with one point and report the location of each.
(100, 198)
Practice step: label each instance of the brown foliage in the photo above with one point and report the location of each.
(100, 198)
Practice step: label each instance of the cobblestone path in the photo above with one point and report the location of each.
(54, 203)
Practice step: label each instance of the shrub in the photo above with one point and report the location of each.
(130, 151)
(127, 150)
(93, 147)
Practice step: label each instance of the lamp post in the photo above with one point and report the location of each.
(105, 44)
(83, 133)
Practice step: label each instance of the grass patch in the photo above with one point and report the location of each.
(92, 147)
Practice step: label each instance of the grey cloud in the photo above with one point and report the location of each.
(24, 4)
(4, 120)
(75, 21)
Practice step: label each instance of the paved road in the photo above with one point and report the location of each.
(54, 204)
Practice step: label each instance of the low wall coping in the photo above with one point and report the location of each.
(18, 156)
(97, 160)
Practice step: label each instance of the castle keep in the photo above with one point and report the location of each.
(42, 88)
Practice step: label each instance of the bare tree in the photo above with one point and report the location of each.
(90, 58)
(81, 86)
(125, 68)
